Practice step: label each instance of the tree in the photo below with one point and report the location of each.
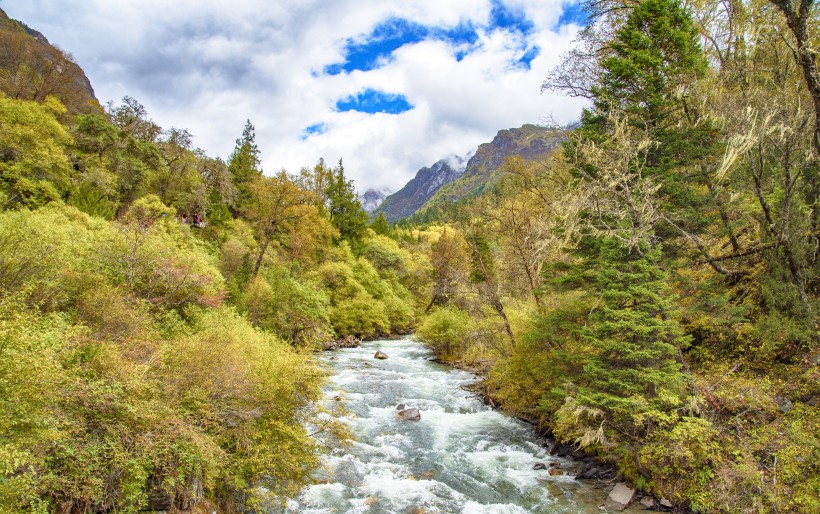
(345, 209)
(316, 181)
(380, 225)
(221, 193)
(632, 381)
(275, 206)
(484, 268)
(243, 164)
(177, 181)
(655, 52)
(132, 117)
(449, 259)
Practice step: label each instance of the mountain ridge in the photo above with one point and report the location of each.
(420, 189)
(441, 183)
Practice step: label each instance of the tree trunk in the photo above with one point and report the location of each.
(262, 250)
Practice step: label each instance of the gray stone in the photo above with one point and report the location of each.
(620, 497)
(411, 414)
(648, 502)
(590, 473)
(380, 355)
(666, 503)
(539, 465)
(401, 406)
(784, 403)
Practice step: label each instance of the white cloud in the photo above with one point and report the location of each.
(207, 65)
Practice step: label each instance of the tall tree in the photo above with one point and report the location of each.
(345, 209)
(632, 381)
(243, 164)
(656, 52)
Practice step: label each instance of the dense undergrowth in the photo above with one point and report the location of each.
(147, 362)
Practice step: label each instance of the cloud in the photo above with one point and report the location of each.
(390, 86)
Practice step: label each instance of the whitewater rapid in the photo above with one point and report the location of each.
(461, 457)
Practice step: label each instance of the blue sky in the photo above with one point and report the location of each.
(390, 86)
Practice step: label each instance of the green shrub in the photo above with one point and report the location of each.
(445, 330)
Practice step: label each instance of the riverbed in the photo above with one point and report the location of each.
(460, 457)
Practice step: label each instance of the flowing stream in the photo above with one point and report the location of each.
(461, 457)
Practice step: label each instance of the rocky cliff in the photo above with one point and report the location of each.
(420, 189)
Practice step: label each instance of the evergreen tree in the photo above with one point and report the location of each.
(635, 369)
(243, 164)
(630, 381)
(655, 52)
(345, 209)
(380, 225)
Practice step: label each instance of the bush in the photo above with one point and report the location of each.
(252, 394)
(445, 330)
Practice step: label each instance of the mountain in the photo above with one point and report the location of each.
(421, 188)
(530, 142)
(372, 198)
(31, 68)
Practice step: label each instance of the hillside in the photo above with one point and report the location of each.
(419, 190)
(31, 68)
(529, 142)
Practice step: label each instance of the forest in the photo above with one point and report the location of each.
(648, 293)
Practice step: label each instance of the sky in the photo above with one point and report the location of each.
(389, 86)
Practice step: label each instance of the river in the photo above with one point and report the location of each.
(461, 457)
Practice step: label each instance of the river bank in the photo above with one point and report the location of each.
(599, 474)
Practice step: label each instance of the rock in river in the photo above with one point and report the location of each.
(411, 414)
(620, 497)
(380, 355)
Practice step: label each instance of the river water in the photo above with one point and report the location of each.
(461, 457)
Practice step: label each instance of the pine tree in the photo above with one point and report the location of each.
(345, 209)
(380, 225)
(631, 380)
(655, 52)
(243, 164)
(635, 372)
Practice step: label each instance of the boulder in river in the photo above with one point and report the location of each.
(620, 497)
(539, 465)
(648, 502)
(401, 406)
(411, 414)
(380, 355)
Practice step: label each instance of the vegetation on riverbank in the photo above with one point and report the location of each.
(651, 292)
(159, 309)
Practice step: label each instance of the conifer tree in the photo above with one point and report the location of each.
(633, 375)
(380, 225)
(243, 164)
(345, 209)
(655, 52)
